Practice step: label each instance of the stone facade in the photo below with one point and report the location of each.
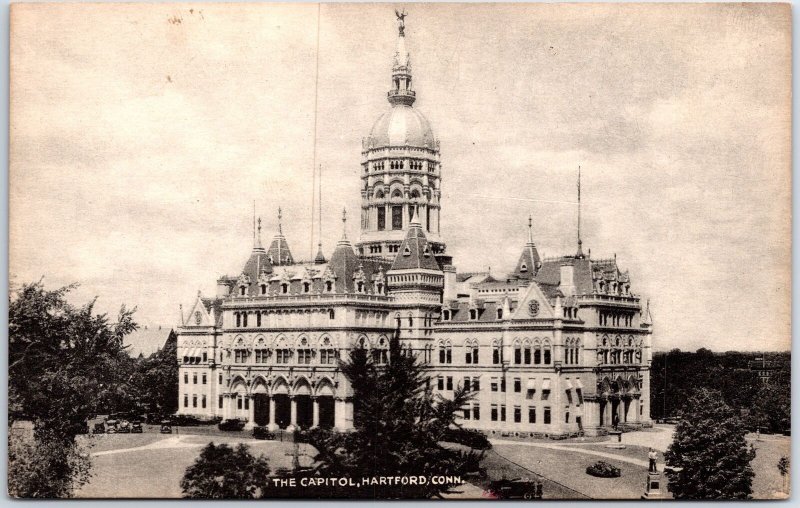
(557, 347)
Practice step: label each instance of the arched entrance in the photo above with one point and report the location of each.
(326, 405)
(283, 407)
(260, 404)
(303, 404)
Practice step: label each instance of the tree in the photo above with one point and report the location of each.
(156, 379)
(399, 426)
(221, 472)
(709, 457)
(783, 467)
(64, 361)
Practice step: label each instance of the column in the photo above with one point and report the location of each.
(339, 414)
(227, 406)
(272, 425)
(293, 414)
(250, 400)
(315, 406)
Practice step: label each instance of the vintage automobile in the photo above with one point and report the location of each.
(124, 427)
(516, 488)
(136, 427)
(166, 427)
(231, 424)
(99, 428)
(111, 425)
(262, 432)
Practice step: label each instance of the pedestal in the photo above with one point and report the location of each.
(653, 487)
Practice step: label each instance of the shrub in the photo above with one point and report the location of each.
(467, 437)
(603, 469)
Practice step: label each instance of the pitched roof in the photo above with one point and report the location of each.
(529, 262)
(146, 340)
(279, 252)
(415, 253)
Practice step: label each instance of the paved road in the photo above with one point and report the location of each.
(575, 449)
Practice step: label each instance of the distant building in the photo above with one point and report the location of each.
(764, 368)
(556, 347)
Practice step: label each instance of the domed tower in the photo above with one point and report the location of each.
(400, 169)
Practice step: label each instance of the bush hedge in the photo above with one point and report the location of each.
(603, 469)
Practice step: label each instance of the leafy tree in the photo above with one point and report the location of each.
(221, 472)
(771, 408)
(64, 361)
(399, 426)
(783, 467)
(709, 457)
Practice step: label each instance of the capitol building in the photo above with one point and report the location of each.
(560, 346)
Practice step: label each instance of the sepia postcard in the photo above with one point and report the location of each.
(400, 251)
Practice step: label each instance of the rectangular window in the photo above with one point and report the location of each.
(258, 319)
(186, 378)
(194, 378)
(503, 385)
(244, 320)
(205, 356)
(569, 396)
(194, 400)
(304, 356)
(247, 403)
(440, 383)
(547, 416)
(327, 357)
(476, 386)
(220, 379)
(205, 380)
(517, 385)
(467, 384)
(203, 402)
(220, 401)
(475, 359)
(545, 394)
(502, 412)
(517, 355)
(381, 218)
(397, 217)
(517, 414)
(468, 357)
(476, 411)
(494, 384)
(527, 355)
(185, 400)
(466, 413)
(531, 414)
(495, 355)
(579, 393)
(239, 402)
(566, 417)
(494, 412)
(449, 383)
(282, 356)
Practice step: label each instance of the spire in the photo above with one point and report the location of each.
(320, 258)
(401, 91)
(344, 240)
(530, 229)
(415, 223)
(279, 253)
(257, 244)
(579, 254)
(529, 261)
(280, 227)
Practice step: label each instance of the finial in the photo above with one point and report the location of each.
(401, 20)
(530, 228)
(280, 214)
(344, 223)
(580, 243)
(258, 238)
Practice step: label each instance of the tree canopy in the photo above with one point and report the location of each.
(709, 457)
(221, 472)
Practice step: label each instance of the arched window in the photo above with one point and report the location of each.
(517, 352)
(306, 287)
(327, 354)
(410, 321)
(471, 352)
(238, 319)
(537, 354)
(284, 288)
(445, 352)
(263, 289)
(304, 352)
(328, 286)
(446, 315)
(242, 290)
(360, 287)
(380, 355)
(495, 352)
(546, 350)
(331, 314)
(526, 352)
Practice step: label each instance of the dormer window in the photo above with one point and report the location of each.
(360, 287)
(445, 315)
(285, 288)
(242, 291)
(499, 313)
(331, 314)
(406, 251)
(306, 287)
(263, 289)
(426, 252)
(379, 287)
(473, 314)
(328, 286)
(523, 268)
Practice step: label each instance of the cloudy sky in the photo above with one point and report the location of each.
(142, 134)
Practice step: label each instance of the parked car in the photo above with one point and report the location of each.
(166, 427)
(111, 425)
(124, 427)
(136, 428)
(99, 428)
(231, 424)
(263, 433)
(516, 488)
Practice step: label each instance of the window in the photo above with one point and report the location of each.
(473, 314)
(537, 355)
(466, 413)
(495, 353)
(471, 352)
(306, 287)
(397, 217)
(569, 396)
(244, 319)
(579, 393)
(194, 378)
(263, 289)
(517, 354)
(476, 411)
(242, 290)
(239, 402)
(329, 288)
(327, 356)
(499, 313)
(494, 412)
(304, 356)
(517, 385)
(261, 356)
(493, 385)
(205, 379)
(502, 412)
(503, 385)
(282, 356)
(527, 355)
(205, 356)
(545, 394)
(445, 315)
(531, 414)
(185, 400)
(467, 386)
(440, 383)
(220, 401)
(238, 319)
(186, 378)
(239, 356)
(220, 379)
(476, 385)
(445, 352)
(547, 355)
(566, 417)
(194, 400)
(247, 402)
(203, 402)
(547, 416)
(517, 414)
(284, 288)
(449, 382)
(381, 218)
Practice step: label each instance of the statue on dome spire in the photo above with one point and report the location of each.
(401, 21)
